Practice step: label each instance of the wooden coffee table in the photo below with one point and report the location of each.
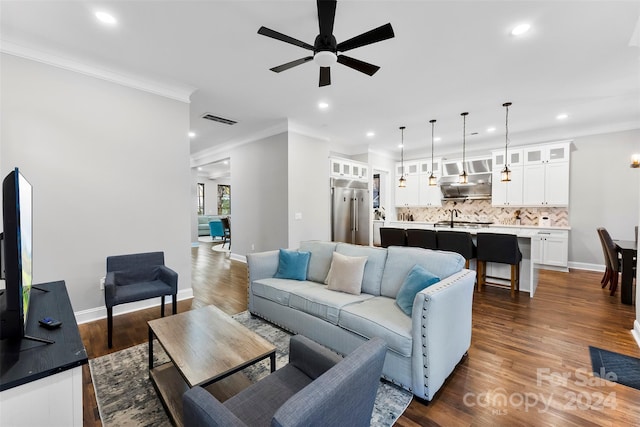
(205, 346)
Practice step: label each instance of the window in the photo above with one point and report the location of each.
(200, 198)
(376, 191)
(224, 199)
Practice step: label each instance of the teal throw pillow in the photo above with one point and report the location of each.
(418, 279)
(293, 265)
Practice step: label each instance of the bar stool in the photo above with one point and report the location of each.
(500, 248)
(457, 241)
(390, 236)
(422, 238)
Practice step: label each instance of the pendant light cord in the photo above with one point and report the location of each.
(506, 131)
(432, 125)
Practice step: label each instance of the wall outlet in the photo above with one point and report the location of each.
(102, 279)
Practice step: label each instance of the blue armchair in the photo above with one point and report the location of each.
(137, 277)
(316, 388)
(216, 229)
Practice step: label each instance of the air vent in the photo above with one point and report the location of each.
(218, 119)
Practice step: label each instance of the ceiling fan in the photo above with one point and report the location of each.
(325, 48)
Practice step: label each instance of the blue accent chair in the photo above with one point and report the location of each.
(216, 229)
(136, 277)
(316, 388)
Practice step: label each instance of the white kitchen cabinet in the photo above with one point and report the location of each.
(514, 156)
(429, 195)
(425, 167)
(548, 153)
(550, 248)
(546, 184)
(507, 193)
(546, 175)
(409, 195)
(344, 168)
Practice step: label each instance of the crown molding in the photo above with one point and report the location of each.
(173, 91)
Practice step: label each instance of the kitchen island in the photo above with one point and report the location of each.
(542, 248)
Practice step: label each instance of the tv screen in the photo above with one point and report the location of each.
(17, 222)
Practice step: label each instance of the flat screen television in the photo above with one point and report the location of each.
(17, 204)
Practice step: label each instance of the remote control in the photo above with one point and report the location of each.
(50, 323)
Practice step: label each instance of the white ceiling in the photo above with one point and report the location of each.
(580, 58)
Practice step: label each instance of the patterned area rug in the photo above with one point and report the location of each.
(126, 396)
(615, 367)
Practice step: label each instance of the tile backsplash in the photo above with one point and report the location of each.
(481, 210)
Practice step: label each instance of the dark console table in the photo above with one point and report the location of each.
(41, 384)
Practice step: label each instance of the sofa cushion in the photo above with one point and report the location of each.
(345, 274)
(418, 279)
(277, 290)
(376, 258)
(320, 261)
(400, 260)
(379, 317)
(292, 264)
(321, 302)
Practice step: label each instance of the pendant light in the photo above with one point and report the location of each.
(432, 178)
(403, 181)
(505, 175)
(464, 178)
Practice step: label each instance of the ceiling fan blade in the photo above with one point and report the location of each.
(383, 32)
(325, 76)
(284, 38)
(291, 64)
(356, 64)
(326, 16)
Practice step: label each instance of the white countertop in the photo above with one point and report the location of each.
(525, 231)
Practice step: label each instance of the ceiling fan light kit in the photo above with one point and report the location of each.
(325, 48)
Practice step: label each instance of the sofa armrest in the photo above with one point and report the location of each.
(310, 357)
(169, 277)
(262, 265)
(441, 331)
(200, 408)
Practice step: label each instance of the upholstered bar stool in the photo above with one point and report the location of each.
(422, 238)
(500, 248)
(457, 241)
(390, 236)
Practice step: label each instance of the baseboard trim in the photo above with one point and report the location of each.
(238, 257)
(586, 266)
(636, 331)
(98, 313)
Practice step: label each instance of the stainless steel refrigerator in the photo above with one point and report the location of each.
(350, 211)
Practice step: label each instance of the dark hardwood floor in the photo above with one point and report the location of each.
(528, 363)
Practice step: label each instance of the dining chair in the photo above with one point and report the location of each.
(613, 260)
(390, 236)
(457, 241)
(226, 225)
(422, 238)
(501, 248)
(607, 276)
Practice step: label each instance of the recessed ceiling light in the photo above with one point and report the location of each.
(226, 162)
(562, 116)
(323, 105)
(371, 134)
(520, 29)
(491, 129)
(400, 145)
(199, 168)
(437, 138)
(192, 134)
(106, 18)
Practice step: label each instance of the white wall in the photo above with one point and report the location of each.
(259, 195)
(110, 172)
(309, 190)
(603, 192)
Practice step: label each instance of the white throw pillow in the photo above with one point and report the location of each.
(345, 273)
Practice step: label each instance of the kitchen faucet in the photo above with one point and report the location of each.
(454, 211)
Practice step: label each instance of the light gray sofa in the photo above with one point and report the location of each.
(423, 349)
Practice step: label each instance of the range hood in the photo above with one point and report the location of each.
(479, 176)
